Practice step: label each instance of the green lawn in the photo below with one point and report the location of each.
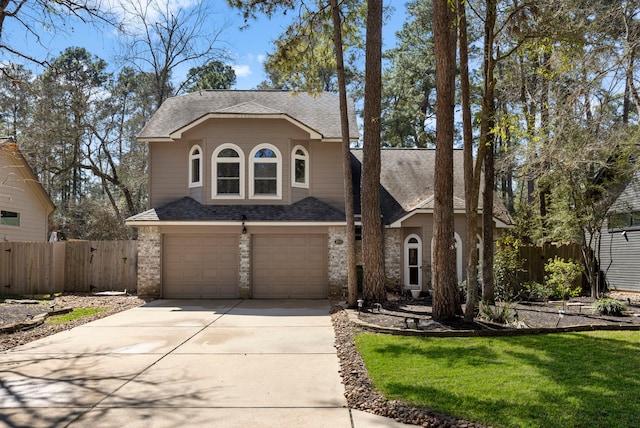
(73, 315)
(557, 380)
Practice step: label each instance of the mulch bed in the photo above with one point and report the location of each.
(406, 313)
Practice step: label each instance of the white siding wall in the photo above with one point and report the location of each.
(17, 194)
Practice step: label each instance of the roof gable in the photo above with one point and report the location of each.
(407, 178)
(629, 197)
(317, 113)
(10, 151)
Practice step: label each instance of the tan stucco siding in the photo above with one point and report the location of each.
(246, 134)
(169, 163)
(327, 175)
(17, 194)
(168, 172)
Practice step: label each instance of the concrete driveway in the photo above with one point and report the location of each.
(240, 363)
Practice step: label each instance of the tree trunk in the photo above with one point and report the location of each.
(488, 292)
(446, 298)
(372, 240)
(487, 141)
(471, 197)
(352, 275)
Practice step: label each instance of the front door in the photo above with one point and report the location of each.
(413, 262)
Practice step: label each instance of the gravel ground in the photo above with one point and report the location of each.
(403, 312)
(11, 313)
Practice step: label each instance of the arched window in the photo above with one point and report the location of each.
(195, 167)
(300, 167)
(228, 172)
(265, 172)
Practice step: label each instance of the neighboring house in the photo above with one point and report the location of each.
(25, 207)
(247, 197)
(620, 240)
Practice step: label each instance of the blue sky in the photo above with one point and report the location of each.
(248, 47)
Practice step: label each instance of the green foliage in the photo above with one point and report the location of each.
(304, 58)
(408, 99)
(537, 291)
(501, 313)
(608, 306)
(561, 276)
(552, 381)
(214, 75)
(506, 267)
(73, 315)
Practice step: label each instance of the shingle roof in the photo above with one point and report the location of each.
(320, 112)
(407, 179)
(188, 209)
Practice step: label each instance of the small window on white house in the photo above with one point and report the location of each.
(9, 218)
(228, 172)
(265, 172)
(300, 167)
(195, 167)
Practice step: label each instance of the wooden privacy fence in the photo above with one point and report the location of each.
(535, 257)
(30, 268)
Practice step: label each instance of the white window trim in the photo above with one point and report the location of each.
(199, 158)
(214, 172)
(407, 247)
(295, 157)
(277, 161)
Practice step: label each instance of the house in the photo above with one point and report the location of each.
(247, 200)
(620, 240)
(25, 207)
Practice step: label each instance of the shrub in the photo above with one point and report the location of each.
(506, 266)
(608, 306)
(536, 291)
(561, 276)
(500, 313)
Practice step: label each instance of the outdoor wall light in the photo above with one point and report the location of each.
(244, 229)
(624, 234)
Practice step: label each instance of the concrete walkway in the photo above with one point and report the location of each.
(251, 363)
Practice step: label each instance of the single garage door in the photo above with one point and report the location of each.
(200, 266)
(289, 266)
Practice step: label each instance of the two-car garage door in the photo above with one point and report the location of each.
(282, 266)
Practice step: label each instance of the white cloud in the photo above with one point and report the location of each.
(242, 70)
(130, 12)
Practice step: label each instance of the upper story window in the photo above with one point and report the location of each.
(624, 220)
(300, 167)
(195, 167)
(9, 218)
(265, 172)
(228, 172)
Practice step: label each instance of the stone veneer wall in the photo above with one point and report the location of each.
(337, 272)
(149, 261)
(245, 266)
(392, 258)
